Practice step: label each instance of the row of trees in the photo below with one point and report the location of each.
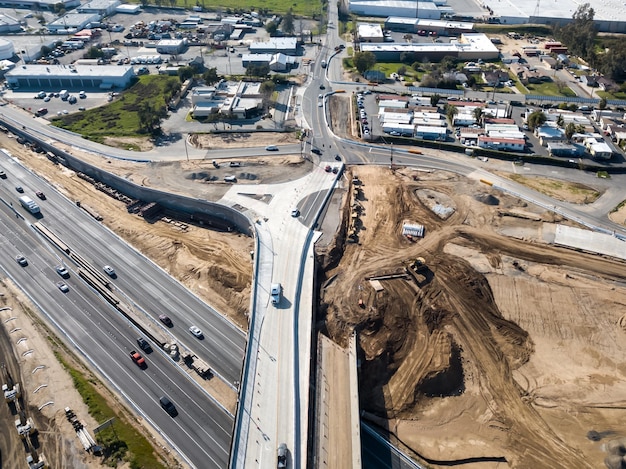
(606, 54)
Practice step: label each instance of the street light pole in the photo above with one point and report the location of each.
(186, 151)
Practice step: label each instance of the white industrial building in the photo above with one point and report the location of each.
(471, 46)
(7, 50)
(234, 100)
(441, 27)
(9, 25)
(286, 45)
(276, 62)
(100, 7)
(39, 5)
(70, 77)
(72, 22)
(128, 8)
(384, 8)
(171, 46)
(610, 15)
(370, 32)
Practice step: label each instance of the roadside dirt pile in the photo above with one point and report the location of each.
(476, 347)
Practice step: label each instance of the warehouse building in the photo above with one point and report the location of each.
(39, 5)
(171, 46)
(100, 7)
(370, 32)
(234, 100)
(7, 50)
(440, 27)
(286, 45)
(9, 25)
(610, 15)
(69, 77)
(384, 8)
(471, 46)
(72, 22)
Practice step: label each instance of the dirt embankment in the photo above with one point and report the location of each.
(457, 357)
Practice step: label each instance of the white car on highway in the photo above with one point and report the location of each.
(195, 330)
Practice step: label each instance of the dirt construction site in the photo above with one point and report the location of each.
(477, 348)
(481, 345)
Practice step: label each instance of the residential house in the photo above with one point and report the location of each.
(549, 133)
(457, 77)
(502, 144)
(495, 78)
(606, 84)
(589, 80)
(598, 148)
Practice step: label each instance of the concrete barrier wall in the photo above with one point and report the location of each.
(170, 201)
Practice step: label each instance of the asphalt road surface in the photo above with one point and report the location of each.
(201, 432)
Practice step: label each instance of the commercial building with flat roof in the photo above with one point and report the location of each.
(370, 32)
(384, 8)
(70, 77)
(471, 46)
(286, 45)
(39, 5)
(72, 22)
(101, 7)
(610, 15)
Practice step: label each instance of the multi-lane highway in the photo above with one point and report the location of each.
(201, 432)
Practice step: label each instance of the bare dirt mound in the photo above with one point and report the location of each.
(455, 353)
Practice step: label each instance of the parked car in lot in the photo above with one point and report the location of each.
(295, 213)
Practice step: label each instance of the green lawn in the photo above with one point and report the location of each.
(273, 6)
(549, 89)
(612, 95)
(120, 117)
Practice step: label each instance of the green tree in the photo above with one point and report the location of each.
(570, 130)
(271, 28)
(260, 71)
(451, 112)
(536, 119)
(266, 90)
(364, 61)
(94, 53)
(478, 114)
(185, 73)
(288, 26)
(602, 104)
(560, 122)
(210, 76)
(579, 35)
(434, 99)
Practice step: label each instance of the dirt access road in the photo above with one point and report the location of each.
(504, 350)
